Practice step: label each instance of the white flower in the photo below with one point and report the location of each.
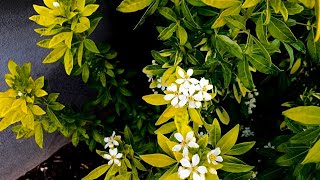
(159, 85)
(187, 96)
(56, 4)
(213, 156)
(110, 141)
(113, 157)
(149, 78)
(254, 175)
(247, 132)
(203, 87)
(189, 141)
(154, 62)
(198, 172)
(20, 93)
(173, 94)
(186, 78)
(269, 146)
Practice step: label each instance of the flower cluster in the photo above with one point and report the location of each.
(192, 168)
(247, 132)
(252, 100)
(187, 90)
(111, 143)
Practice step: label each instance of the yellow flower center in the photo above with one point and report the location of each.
(212, 157)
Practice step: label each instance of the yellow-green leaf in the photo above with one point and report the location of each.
(38, 134)
(308, 3)
(304, 114)
(166, 115)
(68, 61)
(181, 119)
(295, 66)
(162, 141)
(12, 67)
(223, 116)
(158, 160)
(220, 21)
(221, 4)
(39, 83)
(55, 55)
(80, 54)
(59, 38)
(166, 128)
(82, 26)
(91, 46)
(215, 132)
(40, 93)
(313, 154)
(155, 99)
(89, 9)
(228, 140)
(28, 121)
(317, 9)
(195, 116)
(250, 3)
(97, 172)
(5, 122)
(80, 4)
(36, 110)
(182, 35)
(128, 6)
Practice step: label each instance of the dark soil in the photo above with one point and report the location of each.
(68, 163)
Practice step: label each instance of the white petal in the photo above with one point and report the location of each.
(198, 96)
(172, 87)
(181, 73)
(195, 160)
(177, 148)
(192, 90)
(184, 173)
(190, 72)
(196, 176)
(174, 101)
(213, 171)
(183, 102)
(185, 162)
(106, 146)
(168, 97)
(116, 161)
(198, 104)
(115, 143)
(113, 152)
(203, 82)
(194, 81)
(110, 162)
(216, 151)
(202, 170)
(193, 145)
(192, 104)
(113, 133)
(185, 152)
(219, 159)
(180, 81)
(207, 96)
(183, 97)
(179, 137)
(107, 156)
(209, 87)
(189, 136)
(106, 139)
(119, 155)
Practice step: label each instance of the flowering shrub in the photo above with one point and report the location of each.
(218, 60)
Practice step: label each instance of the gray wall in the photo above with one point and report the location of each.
(18, 42)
